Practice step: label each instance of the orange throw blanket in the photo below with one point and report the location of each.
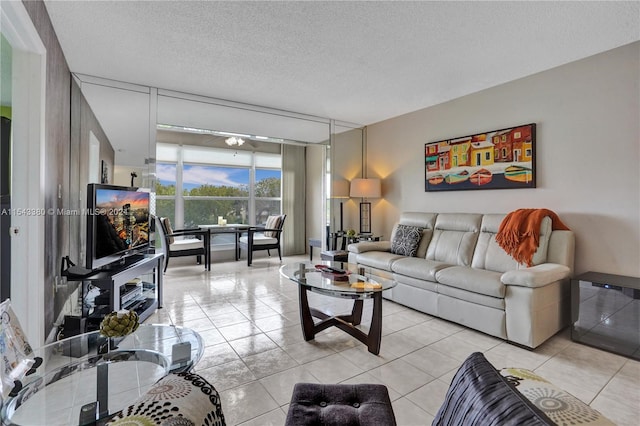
(519, 233)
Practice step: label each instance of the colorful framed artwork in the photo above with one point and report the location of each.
(498, 159)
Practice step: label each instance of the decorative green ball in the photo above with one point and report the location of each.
(351, 232)
(120, 323)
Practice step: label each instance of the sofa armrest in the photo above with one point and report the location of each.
(536, 276)
(366, 246)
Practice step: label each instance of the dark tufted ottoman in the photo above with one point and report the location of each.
(363, 404)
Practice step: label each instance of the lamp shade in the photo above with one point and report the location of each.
(340, 189)
(365, 188)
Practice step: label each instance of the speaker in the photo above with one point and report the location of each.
(74, 326)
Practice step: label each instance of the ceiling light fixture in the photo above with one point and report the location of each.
(233, 141)
(172, 128)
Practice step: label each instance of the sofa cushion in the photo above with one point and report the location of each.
(405, 240)
(540, 256)
(424, 243)
(423, 220)
(489, 255)
(454, 238)
(472, 297)
(422, 284)
(378, 259)
(476, 280)
(418, 268)
(479, 395)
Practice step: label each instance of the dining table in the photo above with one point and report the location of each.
(229, 228)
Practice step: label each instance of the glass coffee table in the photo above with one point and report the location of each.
(86, 379)
(355, 283)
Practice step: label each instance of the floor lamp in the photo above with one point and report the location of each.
(340, 189)
(365, 188)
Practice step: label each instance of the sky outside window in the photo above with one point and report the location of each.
(195, 176)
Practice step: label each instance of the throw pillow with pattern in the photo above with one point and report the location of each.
(273, 222)
(406, 240)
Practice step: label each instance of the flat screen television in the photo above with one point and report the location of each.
(117, 223)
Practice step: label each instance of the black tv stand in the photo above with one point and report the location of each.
(134, 283)
(123, 262)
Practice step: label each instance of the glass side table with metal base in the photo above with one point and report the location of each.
(86, 379)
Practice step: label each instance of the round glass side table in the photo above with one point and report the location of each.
(88, 378)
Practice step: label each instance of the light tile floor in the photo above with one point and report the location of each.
(255, 353)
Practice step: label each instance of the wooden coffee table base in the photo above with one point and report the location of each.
(346, 323)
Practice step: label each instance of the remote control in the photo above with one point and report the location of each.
(335, 270)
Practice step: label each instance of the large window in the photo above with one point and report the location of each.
(212, 191)
(196, 185)
(267, 194)
(166, 190)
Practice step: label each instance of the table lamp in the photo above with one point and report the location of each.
(365, 188)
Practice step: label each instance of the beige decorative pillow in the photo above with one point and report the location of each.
(273, 222)
(560, 406)
(182, 399)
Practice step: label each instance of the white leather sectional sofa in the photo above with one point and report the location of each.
(461, 274)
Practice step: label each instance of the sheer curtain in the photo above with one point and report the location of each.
(294, 199)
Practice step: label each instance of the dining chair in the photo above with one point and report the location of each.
(263, 238)
(184, 242)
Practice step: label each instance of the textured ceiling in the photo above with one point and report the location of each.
(360, 62)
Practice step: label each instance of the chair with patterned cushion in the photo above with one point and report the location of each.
(184, 242)
(176, 399)
(263, 238)
(480, 395)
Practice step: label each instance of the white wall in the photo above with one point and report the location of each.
(588, 137)
(122, 176)
(347, 164)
